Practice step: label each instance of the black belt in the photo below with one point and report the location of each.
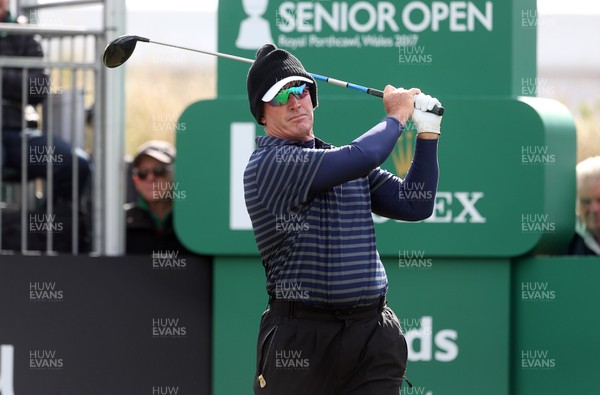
(300, 310)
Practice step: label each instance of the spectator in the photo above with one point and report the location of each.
(586, 240)
(150, 220)
(13, 112)
(39, 153)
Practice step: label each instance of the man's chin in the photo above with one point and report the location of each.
(594, 229)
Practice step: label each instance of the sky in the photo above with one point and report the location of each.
(565, 6)
(159, 5)
(544, 6)
(174, 5)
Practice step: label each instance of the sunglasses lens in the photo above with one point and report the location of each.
(283, 96)
(159, 171)
(142, 173)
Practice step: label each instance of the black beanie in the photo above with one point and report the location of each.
(272, 65)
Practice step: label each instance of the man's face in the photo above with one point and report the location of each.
(150, 178)
(588, 204)
(292, 120)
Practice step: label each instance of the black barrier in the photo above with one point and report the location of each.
(75, 325)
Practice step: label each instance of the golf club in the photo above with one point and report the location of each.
(120, 49)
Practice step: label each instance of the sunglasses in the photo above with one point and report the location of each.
(283, 96)
(158, 171)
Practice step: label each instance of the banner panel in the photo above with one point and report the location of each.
(502, 164)
(455, 315)
(76, 325)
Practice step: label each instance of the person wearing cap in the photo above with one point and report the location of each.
(328, 329)
(149, 221)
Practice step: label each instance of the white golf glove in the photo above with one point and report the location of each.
(423, 120)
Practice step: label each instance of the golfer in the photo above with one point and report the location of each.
(328, 329)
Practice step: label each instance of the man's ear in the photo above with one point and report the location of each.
(136, 181)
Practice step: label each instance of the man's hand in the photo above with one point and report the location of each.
(427, 124)
(399, 102)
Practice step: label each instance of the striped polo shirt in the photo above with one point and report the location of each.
(319, 250)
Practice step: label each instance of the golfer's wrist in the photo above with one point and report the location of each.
(401, 117)
(428, 135)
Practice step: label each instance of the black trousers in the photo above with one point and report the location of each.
(315, 351)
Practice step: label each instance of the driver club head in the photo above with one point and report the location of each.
(120, 49)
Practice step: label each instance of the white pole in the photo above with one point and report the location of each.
(113, 188)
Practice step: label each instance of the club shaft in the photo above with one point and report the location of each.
(350, 85)
(370, 91)
(318, 77)
(219, 54)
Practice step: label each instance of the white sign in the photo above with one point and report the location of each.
(6, 369)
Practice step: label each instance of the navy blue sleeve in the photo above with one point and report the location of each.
(413, 198)
(357, 159)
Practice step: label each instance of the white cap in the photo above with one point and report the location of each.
(274, 90)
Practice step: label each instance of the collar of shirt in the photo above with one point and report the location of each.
(266, 141)
(587, 237)
(160, 224)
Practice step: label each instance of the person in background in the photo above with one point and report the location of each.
(13, 113)
(586, 240)
(149, 221)
(19, 112)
